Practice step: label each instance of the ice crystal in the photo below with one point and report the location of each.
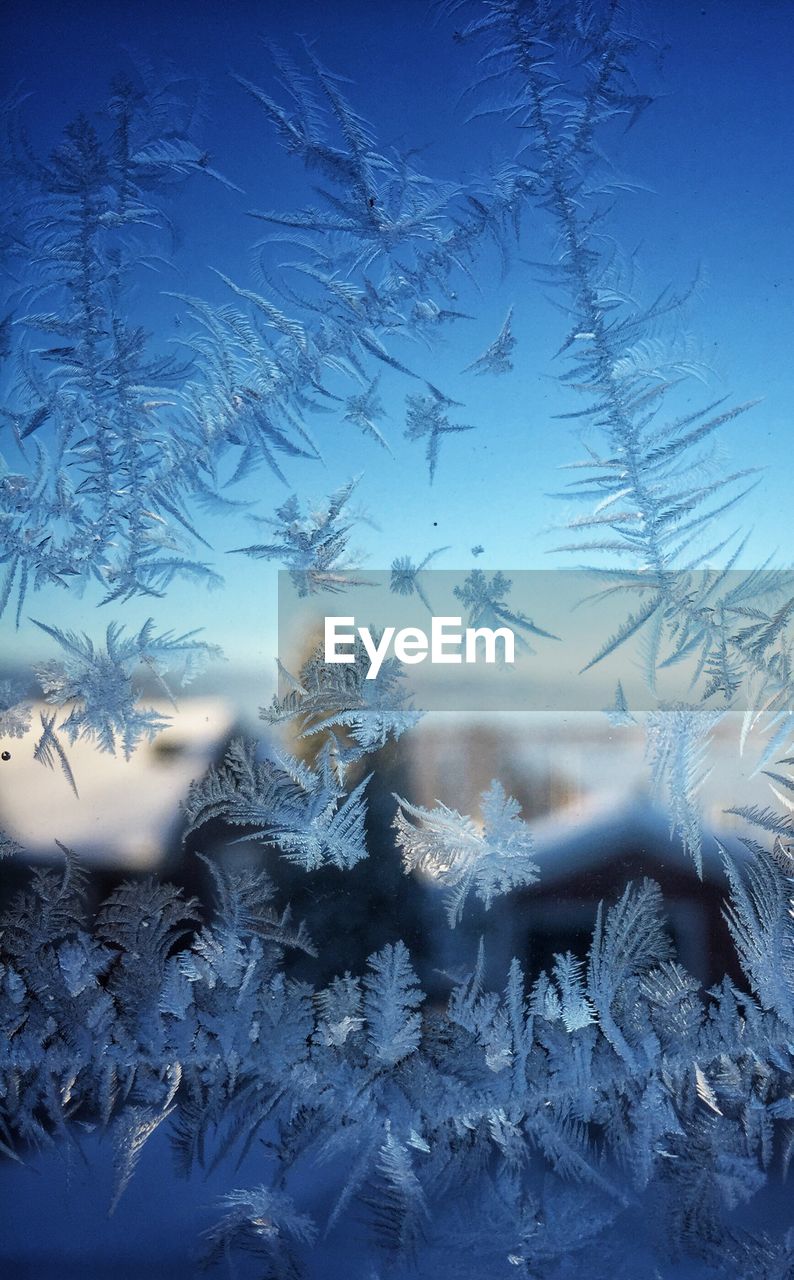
(449, 849)
(15, 710)
(314, 547)
(405, 576)
(97, 683)
(336, 703)
(426, 417)
(485, 600)
(496, 359)
(302, 811)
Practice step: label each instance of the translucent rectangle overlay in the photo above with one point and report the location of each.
(621, 642)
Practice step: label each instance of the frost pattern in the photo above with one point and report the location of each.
(485, 600)
(616, 1075)
(312, 547)
(581, 1103)
(15, 711)
(336, 705)
(496, 359)
(452, 851)
(97, 683)
(303, 811)
(425, 416)
(677, 745)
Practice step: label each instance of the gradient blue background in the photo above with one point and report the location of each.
(712, 156)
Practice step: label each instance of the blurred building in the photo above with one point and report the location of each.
(126, 817)
(582, 785)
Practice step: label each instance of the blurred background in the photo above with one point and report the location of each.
(582, 783)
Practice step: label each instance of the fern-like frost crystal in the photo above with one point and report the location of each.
(488, 859)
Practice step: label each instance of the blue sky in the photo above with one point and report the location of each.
(715, 195)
